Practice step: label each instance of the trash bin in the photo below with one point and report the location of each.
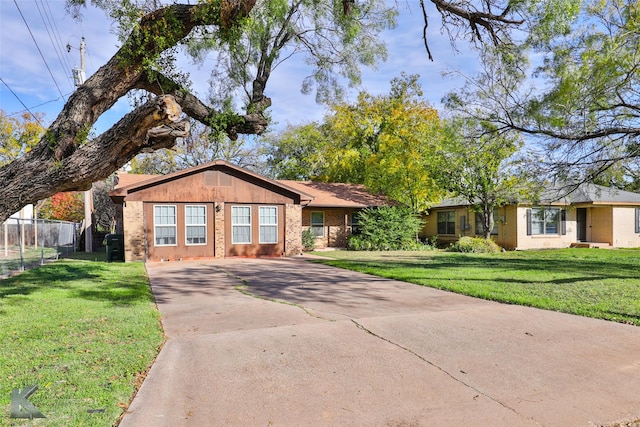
(115, 247)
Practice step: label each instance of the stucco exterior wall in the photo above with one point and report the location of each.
(133, 220)
(547, 241)
(624, 235)
(293, 230)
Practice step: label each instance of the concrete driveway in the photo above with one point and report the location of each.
(284, 342)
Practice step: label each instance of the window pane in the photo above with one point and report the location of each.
(446, 222)
(196, 235)
(268, 224)
(317, 218)
(241, 234)
(317, 224)
(164, 221)
(240, 224)
(165, 235)
(552, 219)
(164, 215)
(240, 215)
(268, 215)
(195, 215)
(268, 234)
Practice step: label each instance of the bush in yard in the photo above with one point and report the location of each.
(386, 228)
(308, 240)
(474, 244)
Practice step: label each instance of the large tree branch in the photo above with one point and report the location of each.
(35, 177)
(248, 124)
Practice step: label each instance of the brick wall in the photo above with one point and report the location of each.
(219, 232)
(134, 247)
(337, 226)
(293, 230)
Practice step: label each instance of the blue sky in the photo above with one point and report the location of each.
(39, 72)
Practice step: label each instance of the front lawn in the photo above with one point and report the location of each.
(589, 282)
(84, 332)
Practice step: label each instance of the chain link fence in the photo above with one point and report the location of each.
(25, 243)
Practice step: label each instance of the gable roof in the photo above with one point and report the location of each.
(338, 195)
(128, 183)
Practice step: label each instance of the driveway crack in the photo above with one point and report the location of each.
(444, 371)
(243, 288)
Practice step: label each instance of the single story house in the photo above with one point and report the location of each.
(218, 210)
(592, 215)
(332, 215)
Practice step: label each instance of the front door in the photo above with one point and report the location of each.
(581, 219)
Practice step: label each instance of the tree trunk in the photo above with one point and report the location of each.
(65, 160)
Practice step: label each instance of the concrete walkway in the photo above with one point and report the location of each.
(284, 342)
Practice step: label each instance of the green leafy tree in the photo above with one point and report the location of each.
(336, 36)
(387, 143)
(297, 152)
(18, 135)
(478, 166)
(580, 106)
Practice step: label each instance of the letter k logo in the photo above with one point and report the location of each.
(21, 407)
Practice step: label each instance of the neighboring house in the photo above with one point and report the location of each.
(590, 216)
(332, 215)
(220, 210)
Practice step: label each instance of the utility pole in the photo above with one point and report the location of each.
(79, 76)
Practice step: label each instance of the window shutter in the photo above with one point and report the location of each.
(528, 222)
(637, 220)
(563, 220)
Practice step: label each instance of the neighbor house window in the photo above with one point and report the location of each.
(541, 221)
(447, 222)
(480, 221)
(164, 225)
(196, 222)
(317, 224)
(637, 220)
(268, 224)
(240, 224)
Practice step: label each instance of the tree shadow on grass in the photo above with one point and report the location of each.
(87, 280)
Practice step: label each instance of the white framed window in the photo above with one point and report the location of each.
(195, 219)
(268, 224)
(545, 221)
(164, 225)
(240, 225)
(637, 220)
(317, 224)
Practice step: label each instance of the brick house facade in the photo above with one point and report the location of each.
(218, 210)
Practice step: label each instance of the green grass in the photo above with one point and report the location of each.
(596, 283)
(84, 331)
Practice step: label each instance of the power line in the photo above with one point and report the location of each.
(38, 47)
(20, 100)
(53, 37)
(39, 105)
